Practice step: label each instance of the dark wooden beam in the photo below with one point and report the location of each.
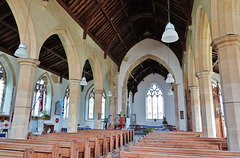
(111, 23)
(165, 7)
(56, 54)
(125, 11)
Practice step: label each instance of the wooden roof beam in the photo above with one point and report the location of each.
(155, 20)
(111, 23)
(49, 50)
(57, 63)
(165, 7)
(125, 11)
(187, 8)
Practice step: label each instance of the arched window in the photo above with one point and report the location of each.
(103, 106)
(154, 102)
(3, 82)
(39, 106)
(66, 104)
(91, 105)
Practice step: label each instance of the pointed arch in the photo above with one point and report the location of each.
(28, 36)
(136, 63)
(10, 85)
(74, 66)
(97, 72)
(203, 50)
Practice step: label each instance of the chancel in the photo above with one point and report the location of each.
(117, 78)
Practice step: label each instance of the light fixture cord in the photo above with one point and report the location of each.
(168, 11)
(85, 58)
(168, 55)
(27, 20)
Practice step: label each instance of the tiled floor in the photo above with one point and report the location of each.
(115, 153)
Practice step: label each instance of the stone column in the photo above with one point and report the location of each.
(229, 66)
(195, 107)
(124, 91)
(206, 101)
(98, 106)
(23, 98)
(176, 106)
(112, 108)
(74, 85)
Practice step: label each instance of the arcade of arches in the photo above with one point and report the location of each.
(67, 40)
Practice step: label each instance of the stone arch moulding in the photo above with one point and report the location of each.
(97, 72)
(11, 83)
(148, 56)
(153, 49)
(74, 65)
(20, 13)
(203, 57)
(8, 67)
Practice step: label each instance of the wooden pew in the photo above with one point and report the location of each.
(220, 141)
(179, 133)
(101, 139)
(46, 151)
(24, 153)
(189, 152)
(93, 143)
(123, 154)
(76, 148)
(180, 145)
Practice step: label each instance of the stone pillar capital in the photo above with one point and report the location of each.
(227, 40)
(194, 88)
(74, 81)
(98, 91)
(28, 61)
(204, 73)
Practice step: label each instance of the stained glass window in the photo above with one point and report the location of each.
(39, 98)
(154, 103)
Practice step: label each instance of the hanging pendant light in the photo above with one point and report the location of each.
(170, 92)
(170, 78)
(83, 81)
(109, 94)
(169, 35)
(22, 52)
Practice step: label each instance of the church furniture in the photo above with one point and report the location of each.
(25, 153)
(47, 151)
(93, 143)
(48, 126)
(67, 149)
(187, 152)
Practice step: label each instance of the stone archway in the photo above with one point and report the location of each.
(28, 36)
(203, 65)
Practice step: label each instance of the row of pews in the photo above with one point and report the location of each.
(84, 144)
(177, 145)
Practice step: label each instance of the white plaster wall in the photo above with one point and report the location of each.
(139, 106)
(145, 47)
(160, 50)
